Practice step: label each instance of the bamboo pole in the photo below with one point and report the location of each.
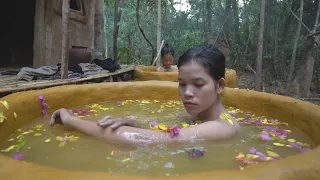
(65, 39)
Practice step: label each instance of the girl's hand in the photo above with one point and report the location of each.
(114, 123)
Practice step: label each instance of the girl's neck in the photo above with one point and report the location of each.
(213, 112)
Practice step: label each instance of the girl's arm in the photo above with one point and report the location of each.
(126, 135)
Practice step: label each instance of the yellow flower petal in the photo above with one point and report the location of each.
(5, 104)
(291, 140)
(61, 144)
(185, 125)
(272, 154)
(12, 139)
(278, 144)
(59, 138)
(163, 127)
(252, 156)
(2, 117)
(37, 134)
(125, 160)
(9, 148)
(47, 140)
(15, 115)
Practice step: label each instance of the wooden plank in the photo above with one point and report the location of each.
(50, 83)
(65, 39)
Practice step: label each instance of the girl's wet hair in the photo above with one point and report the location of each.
(167, 50)
(210, 57)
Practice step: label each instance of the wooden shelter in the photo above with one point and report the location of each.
(41, 33)
(33, 33)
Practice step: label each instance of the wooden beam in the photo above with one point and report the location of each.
(65, 39)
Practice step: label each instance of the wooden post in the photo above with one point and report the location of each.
(65, 39)
(91, 23)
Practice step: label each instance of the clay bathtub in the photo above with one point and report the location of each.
(145, 73)
(27, 107)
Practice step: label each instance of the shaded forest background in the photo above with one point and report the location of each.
(272, 44)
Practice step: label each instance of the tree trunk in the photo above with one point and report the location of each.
(226, 14)
(65, 39)
(208, 18)
(159, 31)
(117, 17)
(294, 50)
(260, 47)
(91, 23)
(304, 76)
(99, 34)
(236, 21)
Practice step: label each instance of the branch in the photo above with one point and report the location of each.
(221, 29)
(158, 53)
(254, 72)
(313, 34)
(141, 30)
(316, 23)
(300, 21)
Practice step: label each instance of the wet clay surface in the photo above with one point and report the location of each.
(27, 107)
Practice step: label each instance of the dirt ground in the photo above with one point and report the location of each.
(246, 80)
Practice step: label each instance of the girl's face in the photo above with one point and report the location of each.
(167, 60)
(197, 89)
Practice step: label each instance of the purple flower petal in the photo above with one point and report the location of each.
(261, 155)
(295, 145)
(253, 150)
(171, 134)
(154, 123)
(304, 149)
(265, 137)
(40, 96)
(176, 130)
(196, 153)
(17, 156)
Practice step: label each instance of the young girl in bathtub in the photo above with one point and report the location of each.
(201, 82)
(167, 56)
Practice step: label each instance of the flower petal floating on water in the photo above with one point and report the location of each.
(197, 153)
(240, 156)
(174, 131)
(278, 144)
(9, 148)
(44, 105)
(5, 104)
(273, 154)
(2, 117)
(226, 116)
(15, 115)
(125, 160)
(153, 124)
(253, 150)
(291, 140)
(265, 137)
(47, 140)
(17, 156)
(37, 134)
(82, 112)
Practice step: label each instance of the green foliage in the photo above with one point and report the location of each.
(184, 29)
